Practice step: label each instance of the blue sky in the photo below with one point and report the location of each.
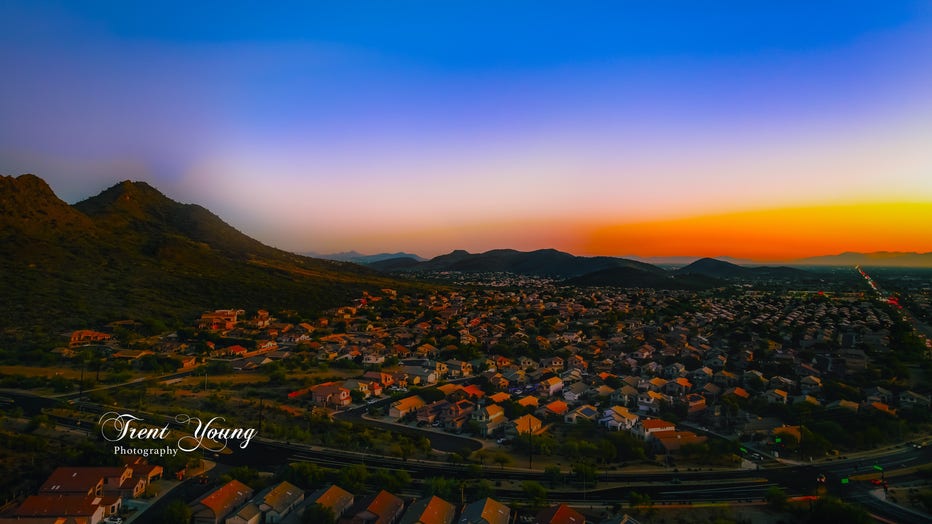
(470, 124)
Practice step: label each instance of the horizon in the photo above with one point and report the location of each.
(761, 133)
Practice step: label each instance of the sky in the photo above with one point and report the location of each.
(757, 130)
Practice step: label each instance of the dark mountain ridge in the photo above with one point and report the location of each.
(542, 262)
(714, 268)
(131, 252)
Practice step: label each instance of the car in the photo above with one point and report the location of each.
(877, 482)
(113, 520)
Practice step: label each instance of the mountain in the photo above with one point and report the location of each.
(358, 258)
(719, 269)
(878, 258)
(131, 252)
(543, 262)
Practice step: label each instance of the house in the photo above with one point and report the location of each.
(701, 376)
(737, 392)
(418, 375)
(527, 363)
(561, 514)
(911, 399)
(550, 386)
(116, 481)
(499, 397)
(878, 394)
(458, 368)
(695, 404)
(645, 428)
(775, 396)
(485, 511)
(58, 507)
(142, 468)
(618, 418)
(432, 412)
(625, 394)
(656, 384)
(385, 379)
(556, 408)
(331, 394)
(843, 404)
(402, 407)
(74, 481)
(220, 503)
(555, 363)
(219, 320)
(248, 514)
(456, 414)
(585, 412)
(280, 501)
(674, 370)
(381, 508)
(528, 401)
(810, 384)
(373, 359)
(359, 385)
(334, 498)
(576, 362)
(652, 402)
(669, 442)
(677, 387)
(725, 379)
(84, 337)
(490, 418)
(576, 392)
(524, 425)
(433, 510)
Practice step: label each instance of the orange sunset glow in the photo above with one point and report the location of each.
(773, 234)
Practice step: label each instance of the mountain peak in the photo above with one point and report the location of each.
(28, 203)
(138, 200)
(27, 184)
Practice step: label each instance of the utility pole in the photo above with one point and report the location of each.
(530, 447)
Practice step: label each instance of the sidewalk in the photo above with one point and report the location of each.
(880, 495)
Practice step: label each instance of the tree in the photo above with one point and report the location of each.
(535, 493)
(553, 475)
(305, 475)
(353, 478)
(776, 498)
(177, 512)
(585, 473)
(831, 509)
(641, 501)
(502, 459)
(318, 514)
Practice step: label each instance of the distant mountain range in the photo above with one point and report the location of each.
(877, 259)
(358, 258)
(595, 271)
(132, 253)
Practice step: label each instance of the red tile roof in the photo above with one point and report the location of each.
(561, 514)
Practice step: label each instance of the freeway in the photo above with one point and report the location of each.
(663, 486)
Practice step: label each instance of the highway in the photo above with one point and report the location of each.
(665, 487)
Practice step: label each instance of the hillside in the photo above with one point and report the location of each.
(719, 269)
(543, 262)
(876, 259)
(132, 253)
